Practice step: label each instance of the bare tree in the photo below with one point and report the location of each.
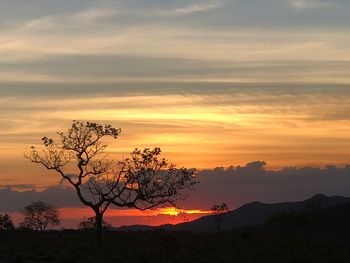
(6, 223)
(90, 224)
(39, 215)
(142, 181)
(219, 212)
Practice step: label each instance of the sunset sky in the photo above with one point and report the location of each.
(214, 83)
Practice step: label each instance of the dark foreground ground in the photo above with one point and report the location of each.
(258, 245)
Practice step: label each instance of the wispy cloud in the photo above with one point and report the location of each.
(147, 32)
(45, 22)
(190, 9)
(307, 4)
(92, 14)
(177, 42)
(83, 17)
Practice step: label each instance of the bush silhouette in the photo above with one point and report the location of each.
(90, 224)
(6, 223)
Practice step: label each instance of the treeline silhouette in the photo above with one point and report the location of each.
(291, 236)
(318, 232)
(41, 216)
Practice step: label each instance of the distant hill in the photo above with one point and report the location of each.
(253, 214)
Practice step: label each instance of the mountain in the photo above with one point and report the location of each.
(250, 214)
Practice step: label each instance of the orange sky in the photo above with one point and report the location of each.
(284, 126)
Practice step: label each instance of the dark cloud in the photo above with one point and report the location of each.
(238, 185)
(14, 200)
(18, 186)
(121, 88)
(102, 66)
(234, 185)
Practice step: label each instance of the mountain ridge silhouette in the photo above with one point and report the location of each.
(248, 215)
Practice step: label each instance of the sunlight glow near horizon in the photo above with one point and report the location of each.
(73, 215)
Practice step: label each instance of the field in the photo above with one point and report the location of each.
(258, 245)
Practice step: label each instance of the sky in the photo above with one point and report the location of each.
(214, 83)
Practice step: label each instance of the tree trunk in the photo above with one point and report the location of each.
(98, 228)
(218, 219)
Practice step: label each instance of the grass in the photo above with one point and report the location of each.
(259, 245)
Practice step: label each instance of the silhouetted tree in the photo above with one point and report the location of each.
(90, 224)
(6, 223)
(315, 204)
(219, 211)
(39, 215)
(142, 181)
